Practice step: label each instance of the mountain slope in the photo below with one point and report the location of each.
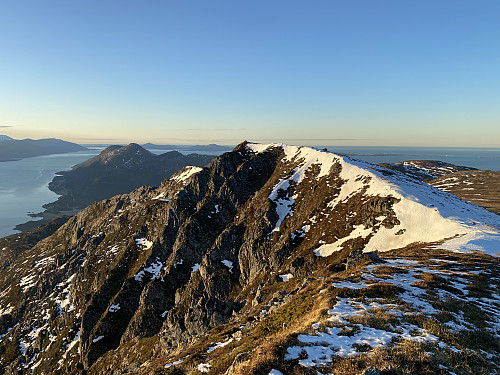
(118, 170)
(235, 267)
(476, 186)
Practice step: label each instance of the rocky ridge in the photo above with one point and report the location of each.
(239, 267)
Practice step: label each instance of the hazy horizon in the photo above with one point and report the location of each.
(295, 142)
(362, 73)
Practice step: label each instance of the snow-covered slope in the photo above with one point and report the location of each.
(425, 214)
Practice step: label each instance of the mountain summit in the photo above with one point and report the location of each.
(272, 259)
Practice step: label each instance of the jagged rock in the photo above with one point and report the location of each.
(6, 322)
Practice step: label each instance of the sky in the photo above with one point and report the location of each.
(360, 72)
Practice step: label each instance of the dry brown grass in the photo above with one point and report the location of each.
(412, 358)
(383, 271)
(271, 347)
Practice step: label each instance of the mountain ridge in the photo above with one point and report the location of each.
(195, 274)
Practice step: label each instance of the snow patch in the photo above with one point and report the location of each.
(286, 277)
(186, 173)
(154, 270)
(219, 345)
(161, 195)
(328, 249)
(144, 243)
(228, 264)
(203, 367)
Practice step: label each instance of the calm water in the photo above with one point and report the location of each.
(24, 183)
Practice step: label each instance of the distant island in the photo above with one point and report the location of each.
(15, 149)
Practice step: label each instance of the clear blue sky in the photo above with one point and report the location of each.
(315, 72)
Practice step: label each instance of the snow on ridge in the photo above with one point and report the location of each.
(154, 270)
(425, 213)
(228, 264)
(186, 173)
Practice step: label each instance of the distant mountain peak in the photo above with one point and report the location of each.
(5, 138)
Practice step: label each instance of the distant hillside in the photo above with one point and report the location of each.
(116, 170)
(12, 149)
(478, 187)
(470, 184)
(425, 169)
